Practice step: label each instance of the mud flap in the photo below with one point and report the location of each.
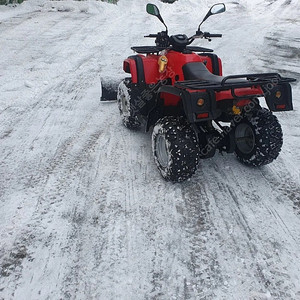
(109, 90)
(279, 97)
(205, 112)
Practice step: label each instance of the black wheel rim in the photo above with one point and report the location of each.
(244, 138)
(162, 151)
(124, 104)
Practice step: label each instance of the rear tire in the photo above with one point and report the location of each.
(126, 107)
(175, 148)
(258, 138)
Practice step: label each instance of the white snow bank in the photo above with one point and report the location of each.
(9, 11)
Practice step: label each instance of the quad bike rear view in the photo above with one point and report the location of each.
(179, 90)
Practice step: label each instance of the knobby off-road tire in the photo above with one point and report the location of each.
(175, 148)
(126, 107)
(258, 138)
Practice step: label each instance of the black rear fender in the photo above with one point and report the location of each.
(278, 96)
(197, 106)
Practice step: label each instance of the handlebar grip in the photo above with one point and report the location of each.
(214, 35)
(151, 36)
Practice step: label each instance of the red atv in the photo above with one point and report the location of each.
(179, 89)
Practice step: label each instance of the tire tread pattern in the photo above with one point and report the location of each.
(182, 147)
(268, 138)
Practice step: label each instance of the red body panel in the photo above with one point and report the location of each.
(150, 63)
(170, 100)
(176, 61)
(129, 66)
(220, 67)
(223, 95)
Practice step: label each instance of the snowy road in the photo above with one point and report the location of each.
(84, 213)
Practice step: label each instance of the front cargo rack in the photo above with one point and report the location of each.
(155, 49)
(147, 49)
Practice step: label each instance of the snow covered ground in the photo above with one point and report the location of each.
(84, 213)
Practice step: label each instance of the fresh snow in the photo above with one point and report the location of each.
(84, 212)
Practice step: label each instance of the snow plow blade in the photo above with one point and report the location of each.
(109, 91)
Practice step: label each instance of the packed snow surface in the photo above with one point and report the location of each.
(84, 213)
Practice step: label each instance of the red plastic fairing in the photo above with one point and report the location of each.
(175, 62)
(242, 103)
(239, 92)
(220, 67)
(152, 74)
(174, 67)
(150, 64)
(126, 66)
(170, 100)
(129, 65)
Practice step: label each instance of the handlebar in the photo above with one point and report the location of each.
(151, 35)
(211, 35)
(179, 41)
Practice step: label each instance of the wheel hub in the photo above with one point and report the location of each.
(244, 138)
(124, 104)
(161, 151)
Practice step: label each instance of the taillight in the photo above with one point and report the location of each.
(203, 116)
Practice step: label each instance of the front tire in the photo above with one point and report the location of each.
(125, 105)
(258, 138)
(175, 148)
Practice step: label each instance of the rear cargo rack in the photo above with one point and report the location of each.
(231, 82)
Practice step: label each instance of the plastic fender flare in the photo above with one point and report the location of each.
(134, 65)
(184, 95)
(188, 101)
(129, 66)
(170, 90)
(153, 114)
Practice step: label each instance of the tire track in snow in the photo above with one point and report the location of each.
(203, 262)
(116, 245)
(56, 192)
(250, 243)
(61, 155)
(110, 211)
(32, 46)
(281, 180)
(55, 185)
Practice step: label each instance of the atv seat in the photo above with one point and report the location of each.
(198, 71)
(197, 76)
